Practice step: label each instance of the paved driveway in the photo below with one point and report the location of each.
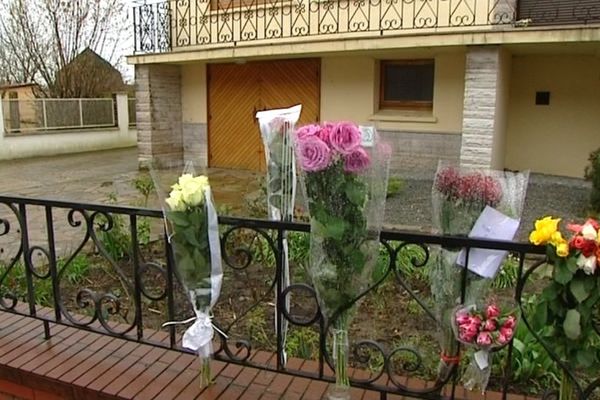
(92, 178)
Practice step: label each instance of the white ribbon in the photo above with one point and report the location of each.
(199, 336)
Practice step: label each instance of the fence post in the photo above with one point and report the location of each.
(1, 120)
(122, 113)
(45, 114)
(80, 113)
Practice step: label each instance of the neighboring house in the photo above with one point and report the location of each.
(88, 76)
(19, 109)
(494, 83)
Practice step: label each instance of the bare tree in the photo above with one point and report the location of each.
(40, 38)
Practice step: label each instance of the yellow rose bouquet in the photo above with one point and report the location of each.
(194, 236)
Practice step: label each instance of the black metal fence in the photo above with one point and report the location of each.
(129, 288)
(162, 26)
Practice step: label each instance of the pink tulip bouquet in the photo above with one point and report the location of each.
(343, 171)
(485, 328)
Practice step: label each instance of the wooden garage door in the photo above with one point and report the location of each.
(237, 91)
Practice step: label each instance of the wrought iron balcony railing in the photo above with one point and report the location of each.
(167, 25)
(118, 280)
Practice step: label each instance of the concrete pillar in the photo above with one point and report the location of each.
(159, 115)
(487, 77)
(122, 113)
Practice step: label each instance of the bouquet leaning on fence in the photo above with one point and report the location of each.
(486, 327)
(477, 203)
(193, 233)
(277, 128)
(566, 314)
(343, 171)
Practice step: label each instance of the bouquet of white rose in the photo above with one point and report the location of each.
(193, 232)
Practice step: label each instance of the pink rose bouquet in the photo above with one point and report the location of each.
(485, 328)
(343, 171)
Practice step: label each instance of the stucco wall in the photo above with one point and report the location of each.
(193, 93)
(350, 91)
(558, 138)
(195, 113)
(50, 144)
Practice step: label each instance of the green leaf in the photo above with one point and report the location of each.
(571, 264)
(190, 236)
(356, 193)
(562, 274)
(549, 293)
(519, 346)
(572, 324)
(197, 218)
(179, 218)
(586, 358)
(580, 290)
(540, 317)
(357, 260)
(334, 228)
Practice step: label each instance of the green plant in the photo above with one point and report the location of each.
(395, 186)
(117, 240)
(15, 283)
(508, 275)
(299, 247)
(302, 342)
(257, 326)
(145, 186)
(592, 173)
(76, 270)
(530, 364)
(16, 279)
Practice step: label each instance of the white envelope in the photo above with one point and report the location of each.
(492, 225)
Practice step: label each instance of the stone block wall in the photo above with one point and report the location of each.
(416, 155)
(482, 123)
(195, 144)
(158, 112)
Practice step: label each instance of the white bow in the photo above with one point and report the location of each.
(199, 336)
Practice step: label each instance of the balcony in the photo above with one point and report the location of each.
(206, 24)
(174, 25)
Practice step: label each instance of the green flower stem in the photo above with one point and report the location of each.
(205, 373)
(566, 387)
(342, 381)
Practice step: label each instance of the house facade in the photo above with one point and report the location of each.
(494, 83)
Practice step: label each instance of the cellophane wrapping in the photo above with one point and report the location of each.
(459, 196)
(193, 232)
(343, 173)
(277, 128)
(485, 326)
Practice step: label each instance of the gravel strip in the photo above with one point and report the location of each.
(567, 198)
